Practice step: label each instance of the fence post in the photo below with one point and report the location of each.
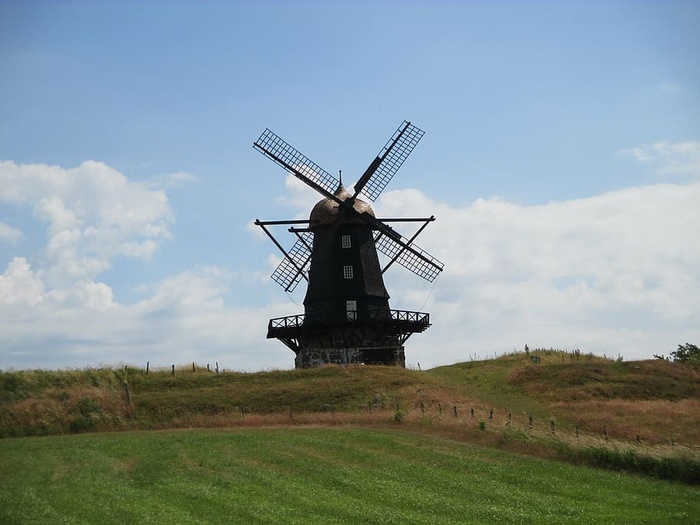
(471, 412)
(126, 392)
(173, 370)
(148, 363)
(422, 407)
(605, 432)
(491, 414)
(455, 410)
(529, 422)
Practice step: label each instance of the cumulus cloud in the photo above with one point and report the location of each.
(183, 318)
(299, 197)
(92, 214)
(612, 273)
(669, 158)
(8, 233)
(19, 284)
(57, 313)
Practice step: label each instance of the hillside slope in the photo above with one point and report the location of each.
(652, 401)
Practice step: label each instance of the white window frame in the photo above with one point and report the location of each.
(351, 310)
(348, 272)
(346, 241)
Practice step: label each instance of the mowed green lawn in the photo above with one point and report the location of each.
(313, 475)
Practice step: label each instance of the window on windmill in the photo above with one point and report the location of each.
(351, 309)
(345, 241)
(348, 272)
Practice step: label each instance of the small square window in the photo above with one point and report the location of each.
(345, 241)
(348, 272)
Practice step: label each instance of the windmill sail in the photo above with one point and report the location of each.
(275, 148)
(390, 158)
(409, 256)
(295, 265)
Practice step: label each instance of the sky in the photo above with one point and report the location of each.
(561, 160)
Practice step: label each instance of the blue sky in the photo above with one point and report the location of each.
(561, 159)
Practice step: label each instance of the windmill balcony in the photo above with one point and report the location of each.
(403, 320)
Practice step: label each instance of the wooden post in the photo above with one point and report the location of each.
(552, 425)
(605, 432)
(440, 408)
(147, 365)
(217, 367)
(529, 422)
(471, 412)
(577, 431)
(126, 392)
(455, 410)
(208, 367)
(173, 370)
(491, 414)
(422, 407)
(193, 367)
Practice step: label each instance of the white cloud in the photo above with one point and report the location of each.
(92, 214)
(8, 233)
(182, 319)
(299, 197)
(19, 284)
(669, 87)
(613, 273)
(175, 180)
(669, 158)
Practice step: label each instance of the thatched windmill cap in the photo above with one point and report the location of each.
(326, 210)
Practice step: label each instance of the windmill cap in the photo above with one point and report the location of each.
(326, 210)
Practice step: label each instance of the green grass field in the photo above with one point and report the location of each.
(313, 475)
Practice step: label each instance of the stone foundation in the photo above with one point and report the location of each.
(313, 357)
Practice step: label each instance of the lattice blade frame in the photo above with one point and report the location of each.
(390, 159)
(275, 148)
(415, 260)
(289, 273)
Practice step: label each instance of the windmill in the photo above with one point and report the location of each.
(347, 318)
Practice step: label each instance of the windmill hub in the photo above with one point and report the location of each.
(326, 210)
(347, 318)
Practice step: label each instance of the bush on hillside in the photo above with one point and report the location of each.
(686, 353)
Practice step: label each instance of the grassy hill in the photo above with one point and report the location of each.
(547, 403)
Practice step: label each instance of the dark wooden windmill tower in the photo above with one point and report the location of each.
(347, 318)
